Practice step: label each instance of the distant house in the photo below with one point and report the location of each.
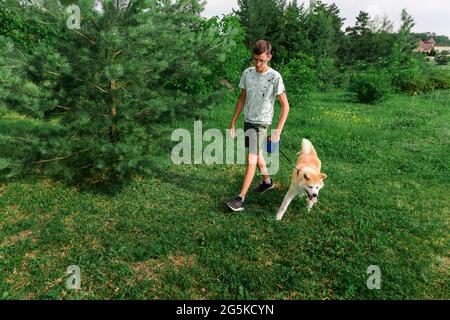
(426, 46)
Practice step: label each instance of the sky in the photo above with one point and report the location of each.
(428, 15)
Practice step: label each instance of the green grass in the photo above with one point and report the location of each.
(169, 236)
(433, 64)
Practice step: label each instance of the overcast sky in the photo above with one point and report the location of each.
(429, 15)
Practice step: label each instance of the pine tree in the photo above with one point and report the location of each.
(17, 146)
(263, 19)
(115, 83)
(386, 25)
(294, 37)
(361, 25)
(323, 30)
(405, 39)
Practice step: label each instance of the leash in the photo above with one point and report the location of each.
(286, 157)
(279, 149)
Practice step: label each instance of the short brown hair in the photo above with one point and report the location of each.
(262, 46)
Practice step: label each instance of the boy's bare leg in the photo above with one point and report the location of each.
(249, 174)
(262, 166)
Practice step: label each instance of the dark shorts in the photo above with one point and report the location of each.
(255, 137)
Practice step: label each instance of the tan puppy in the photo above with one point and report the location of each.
(306, 178)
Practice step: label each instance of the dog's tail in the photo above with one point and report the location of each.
(307, 147)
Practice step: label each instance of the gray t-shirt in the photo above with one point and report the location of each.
(262, 90)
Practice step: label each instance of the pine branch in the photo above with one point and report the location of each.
(99, 88)
(123, 86)
(91, 83)
(62, 107)
(60, 158)
(85, 167)
(25, 63)
(84, 36)
(116, 54)
(16, 90)
(53, 73)
(15, 138)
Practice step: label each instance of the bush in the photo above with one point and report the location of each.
(432, 53)
(300, 74)
(327, 73)
(408, 74)
(370, 86)
(343, 77)
(439, 80)
(442, 58)
(416, 83)
(419, 77)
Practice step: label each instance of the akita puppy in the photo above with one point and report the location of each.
(307, 180)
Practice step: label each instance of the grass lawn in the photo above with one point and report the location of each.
(436, 66)
(170, 236)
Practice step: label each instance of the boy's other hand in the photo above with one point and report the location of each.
(232, 131)
(275, 137)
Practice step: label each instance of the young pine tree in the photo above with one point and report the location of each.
(130, 69)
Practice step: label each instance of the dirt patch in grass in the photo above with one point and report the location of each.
(19, 279)
(152, 269)
(147, 270)
(47, 183)
(444, 265)
(11, 240)
(3, 190)
(13, 213)
(179, 261)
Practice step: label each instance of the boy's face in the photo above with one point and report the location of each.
(261, 61)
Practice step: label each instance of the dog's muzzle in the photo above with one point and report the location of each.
(313, 198)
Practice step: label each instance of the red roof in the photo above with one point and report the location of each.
(424, 46)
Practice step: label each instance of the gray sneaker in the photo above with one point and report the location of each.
(236, 204)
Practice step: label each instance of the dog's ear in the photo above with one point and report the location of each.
(323, 176)
(306, 176)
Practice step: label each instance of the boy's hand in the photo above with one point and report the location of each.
(232, 131)
(275, 137)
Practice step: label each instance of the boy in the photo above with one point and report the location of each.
(259, 87)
